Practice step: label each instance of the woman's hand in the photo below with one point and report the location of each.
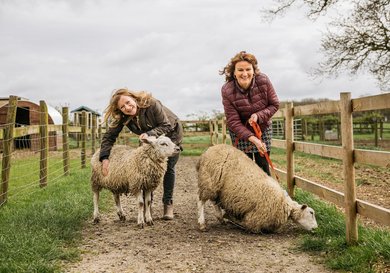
(259, 144)
(143, 136)
(253, 118)
(105, 167)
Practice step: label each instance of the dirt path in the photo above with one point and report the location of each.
(178, 246)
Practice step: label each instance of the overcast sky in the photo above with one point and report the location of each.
(76, 52)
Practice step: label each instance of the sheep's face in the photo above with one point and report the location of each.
(306, 218)
(163, 145)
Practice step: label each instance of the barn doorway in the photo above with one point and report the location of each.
(22, 119)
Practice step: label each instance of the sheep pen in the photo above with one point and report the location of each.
(243, 193)
(137, 172)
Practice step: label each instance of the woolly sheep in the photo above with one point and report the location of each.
(137, 172)
(244, 193)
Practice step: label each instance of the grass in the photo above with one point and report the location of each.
(371, 254)
(41, 228)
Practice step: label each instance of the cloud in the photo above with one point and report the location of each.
(77, 52)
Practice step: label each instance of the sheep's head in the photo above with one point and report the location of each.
(305, 216)
(163, 145)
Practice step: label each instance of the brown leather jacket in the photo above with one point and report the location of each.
(239, 105)
(154, 120)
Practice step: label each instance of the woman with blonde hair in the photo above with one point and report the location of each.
(145, 116)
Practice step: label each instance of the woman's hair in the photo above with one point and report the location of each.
(228, 70)
(113, 114)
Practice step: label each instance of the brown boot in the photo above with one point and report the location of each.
(168, 212)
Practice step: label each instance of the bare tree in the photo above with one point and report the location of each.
(358, 42)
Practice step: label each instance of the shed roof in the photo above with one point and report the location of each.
(85, 108)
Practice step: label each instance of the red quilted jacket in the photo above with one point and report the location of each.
(239, 105)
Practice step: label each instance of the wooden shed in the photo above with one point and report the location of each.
(77, 114)
(28, 113)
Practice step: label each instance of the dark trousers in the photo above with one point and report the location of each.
(169, 180)
(261, 161)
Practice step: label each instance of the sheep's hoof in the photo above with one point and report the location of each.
(122, 218)
(150, 223)
(202, 227)
(96, 220)
(141, 225)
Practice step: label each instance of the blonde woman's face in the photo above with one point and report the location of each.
(243, 73)
(127, 105)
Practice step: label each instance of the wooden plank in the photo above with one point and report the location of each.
(326, 107)
(54, 128)
(278, 143)
(7, 148)
(319, 149)
(348, 167)
(378, 158)
(374, 212)
(321, 191)
(279, 114)
(1, 133)
(25, 131)
(290, 148)
(43, 143)
(74, 129)
(376, 102)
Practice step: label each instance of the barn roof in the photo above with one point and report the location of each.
(85, 108)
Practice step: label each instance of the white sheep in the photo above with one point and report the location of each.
(242, 192)
(137, 172)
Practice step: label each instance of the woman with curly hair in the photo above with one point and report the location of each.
(248, 96)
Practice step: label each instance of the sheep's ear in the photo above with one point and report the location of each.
(149, 139)
(303, 207)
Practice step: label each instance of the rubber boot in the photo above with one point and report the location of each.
(168, 212)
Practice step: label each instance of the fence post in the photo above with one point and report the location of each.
(65, 139)
(94, 123)
(83, 138)
(215, 122)
(8, 139)
(211, 133)
(223, 121)
(44, 143)
(348, 167)
(290, 148)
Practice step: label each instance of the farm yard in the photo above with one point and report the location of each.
(46, 209)
(179, 246)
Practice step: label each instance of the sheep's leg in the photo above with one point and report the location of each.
(201, 219)
(140, 202)
(96, 215)
(220, 213)
(148, 205)
(119, 209)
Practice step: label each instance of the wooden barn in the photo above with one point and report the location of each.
(28, 113)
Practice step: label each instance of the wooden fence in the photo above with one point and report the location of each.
(347, 153)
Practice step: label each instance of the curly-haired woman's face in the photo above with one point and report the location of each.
(243, 73)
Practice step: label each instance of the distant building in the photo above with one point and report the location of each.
(77, 113)
(28, 113)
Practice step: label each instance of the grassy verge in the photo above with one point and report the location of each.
(371, 254)
(41, 228)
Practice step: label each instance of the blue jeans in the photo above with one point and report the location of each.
(169, 180)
